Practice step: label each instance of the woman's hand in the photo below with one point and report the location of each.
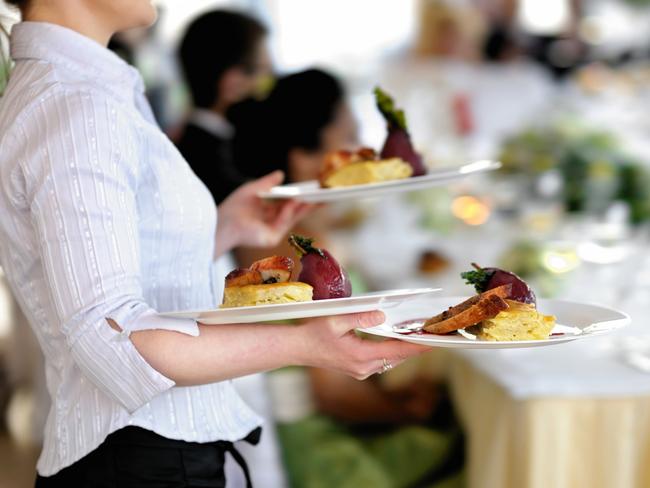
(247, 220)
(330, 342)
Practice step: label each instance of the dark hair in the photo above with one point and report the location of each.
(497, 42)
(213, 43)
(293, 116)
(21, 4)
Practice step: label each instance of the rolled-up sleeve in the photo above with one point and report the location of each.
(82, 179)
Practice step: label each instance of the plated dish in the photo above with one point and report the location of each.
(504, 313)
(364, 172)
(574, 321)
(312, 191)
(269, 281)
(267, 290)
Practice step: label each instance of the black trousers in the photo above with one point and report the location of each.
(138, 458)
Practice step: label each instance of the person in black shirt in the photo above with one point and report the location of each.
(224, 57)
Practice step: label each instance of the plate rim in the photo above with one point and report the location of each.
(462, 341)
(442, 174)
(329, 301)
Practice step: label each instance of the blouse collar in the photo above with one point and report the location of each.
(65, 47)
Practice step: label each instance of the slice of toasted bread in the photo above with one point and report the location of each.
(478, 308)
(502, 291)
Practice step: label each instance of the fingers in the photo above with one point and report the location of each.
(370, 319)
(405, 349)
(340, 349)
(288, 216)
(266, 182)
(285, 216)
(303, 210)
(396, 350)
(363, 320)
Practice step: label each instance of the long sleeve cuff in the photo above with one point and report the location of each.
(116, 367)
(141, 317)
(110, 360)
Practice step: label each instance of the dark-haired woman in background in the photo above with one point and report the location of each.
(305, 116)
(103, 225)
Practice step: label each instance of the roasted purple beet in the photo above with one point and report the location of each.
(321, 270)
(398, 141)
(485, 279)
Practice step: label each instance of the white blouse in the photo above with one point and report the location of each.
(100, 216)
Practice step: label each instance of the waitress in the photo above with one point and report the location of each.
(102, 226)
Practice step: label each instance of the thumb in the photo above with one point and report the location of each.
(268, 181)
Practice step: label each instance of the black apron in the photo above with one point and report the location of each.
(133, 457)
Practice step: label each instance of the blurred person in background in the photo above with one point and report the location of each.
(306, 116)
(448, 30)
(225, 60)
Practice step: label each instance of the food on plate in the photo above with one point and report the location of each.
(398, 140)
(265, 282)
(243, 277)
(472, 311)
(276, 269)
(504, 310)
(485, 279)
(432, 262)
(266, 294)
(519, 322)
(347, 168)
(320, 270)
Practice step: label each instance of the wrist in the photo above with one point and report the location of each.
(298, 349)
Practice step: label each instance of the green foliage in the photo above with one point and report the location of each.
(320, 453)
(394, 117)
(595, 170)
(479, 278)
(303, 245)
(5, 61)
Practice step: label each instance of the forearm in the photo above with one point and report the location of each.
(220, 352)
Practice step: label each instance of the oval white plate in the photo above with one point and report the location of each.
(575, 321)
(310, 191)
(317, 308)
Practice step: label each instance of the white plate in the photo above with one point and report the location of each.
(317, 308)
(575, 321)
(310, 191)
